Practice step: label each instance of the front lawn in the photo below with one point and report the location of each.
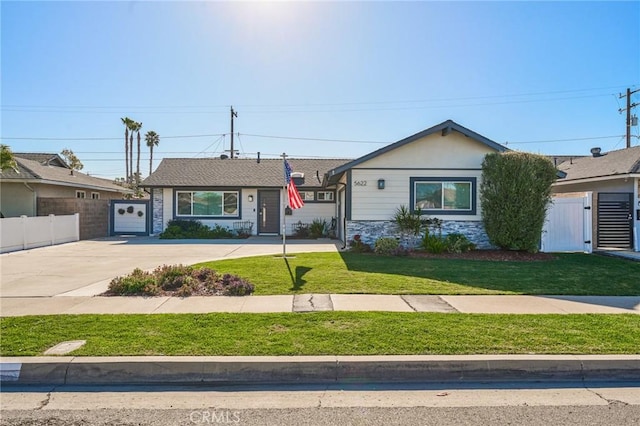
(323, 333)
(568, 274)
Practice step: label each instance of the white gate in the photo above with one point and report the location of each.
(129, 217)
(568, 226)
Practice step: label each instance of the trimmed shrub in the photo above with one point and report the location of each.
(172, 277)
(458, 243)
(301, 230)
(318, 228)
(386, 246)
(515, 195)
(433, 244)
(358, 246)
(138, 282)
(193, 229)
(180, 281)
(233, 285)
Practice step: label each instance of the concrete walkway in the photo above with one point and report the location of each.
(20, 306)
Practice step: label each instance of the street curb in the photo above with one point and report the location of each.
(316, 369)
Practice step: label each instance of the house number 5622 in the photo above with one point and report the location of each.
(360, 182)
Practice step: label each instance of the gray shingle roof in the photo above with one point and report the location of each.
(237, 172)
(445, 127)
(38, 168)
(620, 162)
(43, 158)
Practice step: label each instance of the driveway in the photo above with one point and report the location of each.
(85, 268)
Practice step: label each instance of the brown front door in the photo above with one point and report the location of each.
(268, 212)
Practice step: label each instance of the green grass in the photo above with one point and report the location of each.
(323, 333)
(568, 274)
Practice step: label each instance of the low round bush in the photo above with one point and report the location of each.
(137, 283)
(179, 280)
(386, 246)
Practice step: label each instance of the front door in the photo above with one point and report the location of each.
(268, 212)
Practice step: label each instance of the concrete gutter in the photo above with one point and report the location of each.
(316, 369)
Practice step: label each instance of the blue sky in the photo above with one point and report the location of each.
(346, 73)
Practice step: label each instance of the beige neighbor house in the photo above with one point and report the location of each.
(438, 169)
(44, 184)
(239, 193)
(613, 178)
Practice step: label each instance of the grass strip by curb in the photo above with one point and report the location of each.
(323, 333)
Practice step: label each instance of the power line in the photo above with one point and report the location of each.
(128, 107)
(565, 140)
(105, 139)
(312, 139)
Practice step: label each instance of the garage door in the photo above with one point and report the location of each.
(129, 217)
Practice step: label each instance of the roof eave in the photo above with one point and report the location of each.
(596, 179)
(444, 127)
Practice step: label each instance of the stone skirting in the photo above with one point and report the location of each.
(156, 208)
(371, 230)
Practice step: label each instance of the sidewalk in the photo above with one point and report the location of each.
(516, 304)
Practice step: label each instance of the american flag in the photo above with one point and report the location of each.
(295, 202)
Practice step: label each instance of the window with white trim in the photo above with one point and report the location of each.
(95, 195)
(81, 194)
(207, 203)
(308, 195)
(444, 195)
(325, 196)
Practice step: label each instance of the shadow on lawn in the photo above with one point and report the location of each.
(297, 281)
(569, 274)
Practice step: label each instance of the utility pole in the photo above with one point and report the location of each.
(628, 110)
(233, 114)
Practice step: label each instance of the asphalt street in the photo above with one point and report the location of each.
(597, 403)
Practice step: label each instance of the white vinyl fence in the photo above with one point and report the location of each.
(21, 233)
(568, 227)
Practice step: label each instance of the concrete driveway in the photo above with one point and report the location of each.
(85, 268)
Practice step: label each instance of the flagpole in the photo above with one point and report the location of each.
(282, 208)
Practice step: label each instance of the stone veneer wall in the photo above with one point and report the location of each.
(371, 230)
(156, 207)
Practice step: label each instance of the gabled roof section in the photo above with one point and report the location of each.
(444, 128)
(43, 158)
(51, 169)
(621, 162)
(237, 172)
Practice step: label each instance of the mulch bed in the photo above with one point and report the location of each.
(490, 255)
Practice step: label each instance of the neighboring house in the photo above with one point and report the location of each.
(438, 170)
(614, 180)
(239, 193)
(44, 175)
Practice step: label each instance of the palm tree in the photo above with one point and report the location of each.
(152, 139)
(138, 127)
(127, 124)
(7, 160)
(132, 128)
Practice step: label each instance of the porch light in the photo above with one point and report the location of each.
(251, 198)
(380, 183)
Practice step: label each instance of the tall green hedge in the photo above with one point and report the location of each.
(515, 194)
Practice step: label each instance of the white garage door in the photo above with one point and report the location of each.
(130, 217)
